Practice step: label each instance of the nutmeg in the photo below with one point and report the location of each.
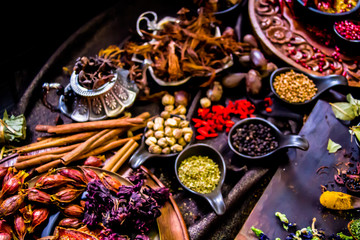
(168, 99)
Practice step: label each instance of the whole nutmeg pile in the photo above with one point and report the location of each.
(168, 133)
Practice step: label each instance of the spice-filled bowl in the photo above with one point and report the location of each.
(347, 33)
(297, 88)
(256, 139)
(201, 170)
(164, 137)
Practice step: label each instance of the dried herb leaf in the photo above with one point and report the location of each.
(332, 146)
(343, 111)
(12, 128)
(355, 130)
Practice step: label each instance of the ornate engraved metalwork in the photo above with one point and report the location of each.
(281, 34)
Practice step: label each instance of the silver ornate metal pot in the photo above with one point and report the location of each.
(82, 104)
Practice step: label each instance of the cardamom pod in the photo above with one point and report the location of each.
(13, 184)
(51, 181)
(66, 195)
(70, 223)
(20, 227)
(110, 182)
(39, 215)
(10, 205)
(73, 210)
(90, 174)
(73, 174)
(37, 195)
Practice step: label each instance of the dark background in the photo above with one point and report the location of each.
(31, 32)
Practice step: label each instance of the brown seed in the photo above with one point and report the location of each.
(20, 227)
(11, 204)
(70, 223)
(66, 195)
(37, 195)
(110, 182)
(51, 181)
(73, 210)
(38, 216)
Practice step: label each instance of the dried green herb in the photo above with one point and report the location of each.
(332, 146)
(355, 228)
(346, 111)
(355, 130)
(199, 173)
(12, 129)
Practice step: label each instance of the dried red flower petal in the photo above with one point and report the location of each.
(90, 174)
(10, 205)
(110, 182)
(37, 195)
(20, 227)
(53, 180)
(39, 215)
(66, 195)
(73, 210)
(70, 223)
(73, 174)
(13, 184)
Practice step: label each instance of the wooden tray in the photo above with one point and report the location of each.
(171, 223)
(280, 34)
(296, 186)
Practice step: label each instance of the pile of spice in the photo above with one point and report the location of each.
(217, 118)
(354, 228)
(199, 173)
(348, 29)
(330, 6)
(294, 87)
(254, 139)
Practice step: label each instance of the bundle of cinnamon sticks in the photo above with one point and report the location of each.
(76, 141)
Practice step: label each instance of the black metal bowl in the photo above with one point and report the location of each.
(214, 198)
(284, 141)
(351, 47)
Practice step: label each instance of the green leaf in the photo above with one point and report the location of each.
(355, 130)
(343, 111)
(332, 147)
(13, 128)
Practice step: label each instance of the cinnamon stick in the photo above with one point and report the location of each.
(111, 163)
(91, 126)
(58, 142)
(83, 147)
(124, 157)
(46, 167)
(37, 161)
(51, 151)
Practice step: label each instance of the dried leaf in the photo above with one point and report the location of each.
(332, 146)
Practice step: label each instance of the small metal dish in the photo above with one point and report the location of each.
(322, 83)
(214, 198)
(284, 141)
(81, 104)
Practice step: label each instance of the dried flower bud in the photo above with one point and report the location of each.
(182, 142)
(168, 99)
(73, 210)
(74, 174)
(162, 142)
(149, 133)
(155, 149)
(150, 141)
(53, 180)
(165, 114)
(70, 223)
(110, 182)
(38, 216)
(10, 205)
(183, 123)
(13, 184)
(158, 126)
(171, 122)
(159, 134)
(176, 148)
(177, 133)
(5, 236)
(166, 150)
(20, 227)
(187, 137)
(187, 130)
(169, 108)
(205, 102)
(89, 174)
(3, 171)
(171, 140)
(66, 195)
(168, 131)
(150, 124)
(36, 195)
(95, 161)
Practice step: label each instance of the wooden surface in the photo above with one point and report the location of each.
(280, 34)
(296, 186)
